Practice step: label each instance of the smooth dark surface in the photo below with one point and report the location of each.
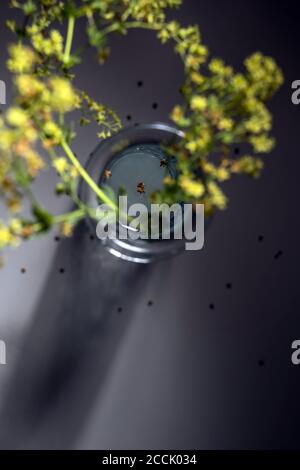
(204, 365)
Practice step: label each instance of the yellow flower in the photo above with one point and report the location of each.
(219, 173)
(6, 139)
(109, 15)
(216, 66)
(173, 27)
(73, 172)
(204, 140)
(239, 82)
(15, 226)
(248, 165)
(30, 133)
(258, 122)
(17, 117)
(34, 163)
(5, 236)
(225, 124)
(60, 164)
(63, 97)
(217, 196)
(42, 45)
(67, 229)
(198, 103)
(163, 35)
(52, 131)
(56, 41)
(190, 187)
(28, 85)
(22, 59)
(32, 29)
(222, 174)
(262, 143)
(177, 114)
(208, 167)
(197, 78)
(193, 62)
(192, 146)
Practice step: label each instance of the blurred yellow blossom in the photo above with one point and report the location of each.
(218, 199)
(22, 58)
(67, 229)
(5, 236)
(17, 117)
(198, 103)
(63, 97)
(190, 187)
(60, 164)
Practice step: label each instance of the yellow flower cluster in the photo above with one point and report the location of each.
(22, 58)
(219, 173)
(64, 168)
(55, 94)
(217, 197)
(47, 46)
(190, 187)
(10, 234)
(198, 103)
(188, 45)
(248, 165)
(149, 11)
(264, 75)
(221, 109)
(62, 98)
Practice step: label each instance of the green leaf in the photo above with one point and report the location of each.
(29, 8)
(43, 217)
(96, 38)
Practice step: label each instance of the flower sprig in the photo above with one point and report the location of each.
(220, 109)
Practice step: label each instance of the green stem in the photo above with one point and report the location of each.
(83, 173)
(140, 24)
(70, 33)
(128, 25)
(69, 216)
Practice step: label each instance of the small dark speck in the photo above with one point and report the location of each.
(120, 310)
(150, 303)
(92, 237)
(154, 105)
(260, 238)
(57, 238)
(228, 285)
(236, 150)
(278, 254)
(261, 363)
(23, 270)
(136, 124)
(61, 270)
(140, 83)
(128, 117)
(212, 306)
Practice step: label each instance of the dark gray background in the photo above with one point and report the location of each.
(176, 374)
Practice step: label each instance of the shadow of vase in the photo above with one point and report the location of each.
(71, 343)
